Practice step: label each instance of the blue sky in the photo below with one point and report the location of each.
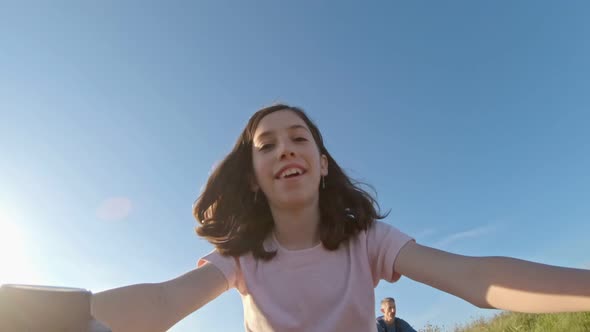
(468, 117)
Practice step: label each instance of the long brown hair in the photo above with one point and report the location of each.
(236, 222)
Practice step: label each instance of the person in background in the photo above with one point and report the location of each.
(388, 322)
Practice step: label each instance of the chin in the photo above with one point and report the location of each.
(296, 201)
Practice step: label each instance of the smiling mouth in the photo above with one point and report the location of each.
(292, 176)
(290, 173)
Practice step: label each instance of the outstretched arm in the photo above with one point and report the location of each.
(158, 306)
(498, 282)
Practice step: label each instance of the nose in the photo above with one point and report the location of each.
(286, 151)
(286, 155)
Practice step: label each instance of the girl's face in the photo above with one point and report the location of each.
(286, 160)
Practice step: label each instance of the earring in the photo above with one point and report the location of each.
(323, 182)
(255, 196)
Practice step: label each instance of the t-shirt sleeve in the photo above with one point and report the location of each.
(384, 243)
(226, 264)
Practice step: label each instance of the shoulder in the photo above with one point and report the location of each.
(380, 322)
(403, 324)
(382, 225)
(230, 266)
(382, 229)
(382, 236)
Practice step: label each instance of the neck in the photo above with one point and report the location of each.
(390, 320)
(297, 228)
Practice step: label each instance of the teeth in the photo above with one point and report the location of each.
(290, 171)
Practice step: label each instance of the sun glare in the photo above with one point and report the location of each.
(15, 267)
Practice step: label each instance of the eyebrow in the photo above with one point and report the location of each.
(293, 127)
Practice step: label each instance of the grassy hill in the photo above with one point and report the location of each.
(513, 322)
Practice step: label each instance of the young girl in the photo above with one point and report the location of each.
(305, 248)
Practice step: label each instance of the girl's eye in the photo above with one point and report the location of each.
(265, 147)
(300, 139)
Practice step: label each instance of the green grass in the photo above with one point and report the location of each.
(517, 322)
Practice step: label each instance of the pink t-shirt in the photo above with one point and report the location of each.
(314, 289)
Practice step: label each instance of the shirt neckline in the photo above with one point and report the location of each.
(304, 251)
